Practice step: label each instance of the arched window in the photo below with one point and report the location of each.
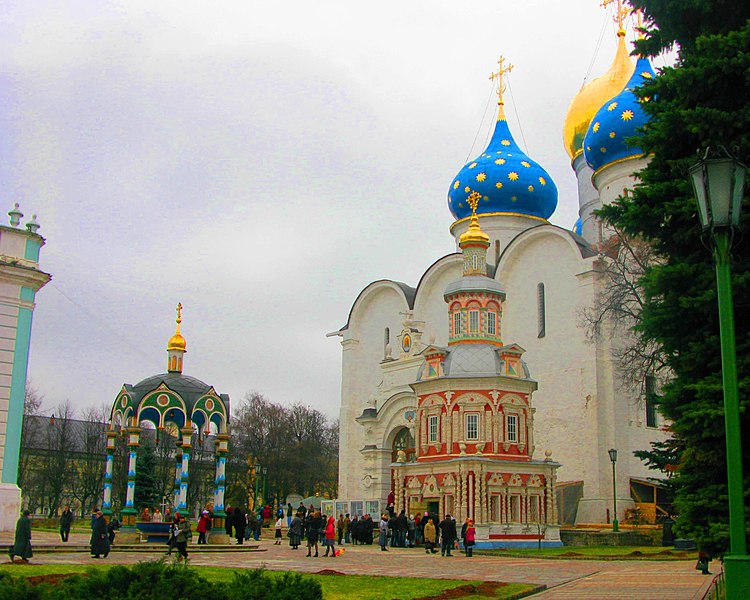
(457, 324)
(540, 308)
(404, 441)
(386, 340)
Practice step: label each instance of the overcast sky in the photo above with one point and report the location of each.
(260, 162)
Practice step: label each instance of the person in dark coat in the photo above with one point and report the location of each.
(99, 536)
(228, 521)
(314, 523)
(448, 535)
(368, 527)
(112, 528)
(22, 542)
(66, 520)
(301, 509)
(239, 523)
(296, 532)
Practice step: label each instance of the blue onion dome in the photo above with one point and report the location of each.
(507, 179)
(616, 121)
(578, 227)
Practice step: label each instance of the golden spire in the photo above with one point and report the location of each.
(498, 75)
(177, 342)
(474, 234)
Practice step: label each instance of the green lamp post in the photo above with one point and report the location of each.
(718, 183)
(613, 457)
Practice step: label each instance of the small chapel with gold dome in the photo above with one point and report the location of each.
(178, 405)
(438, 377)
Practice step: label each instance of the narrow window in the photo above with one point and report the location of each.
(650, 403)
(540, 309)
(492, 323)
(433, 429)
(473, 321)
(456, 324)
(472, 426)
(512, 428)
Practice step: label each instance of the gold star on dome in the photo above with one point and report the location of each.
(525, 164)
(481, 177)
(467, 189)
(646, 74)
(455, 185)
(531, 188)
(486, 198)
(505, 142)
(612, 106)
(611, 134)
(627, 115)
(460, 205)
(543, 181)
(597, 125)
(500, 161)
(513, 176)
(499, 185)
(472, 165)
(603, 149)
(514, 198)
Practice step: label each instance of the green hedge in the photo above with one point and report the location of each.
(157, 581)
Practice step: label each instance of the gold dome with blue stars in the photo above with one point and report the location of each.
(506, 178)
(616, 121)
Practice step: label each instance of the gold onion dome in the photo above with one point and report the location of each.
(177, 342)
(592, 97)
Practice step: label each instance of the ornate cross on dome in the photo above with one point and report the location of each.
(501, 70)
(621, 13)
(473, 202)
(179, 313)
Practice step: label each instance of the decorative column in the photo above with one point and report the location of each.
(471, 500)
(483, 512)
(177, 476)
(550, 499)
(222, 452)
(187, 434)
(108, 469)
(464, 495)
(129, 512)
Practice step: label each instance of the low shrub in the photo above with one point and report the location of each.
(158, 580)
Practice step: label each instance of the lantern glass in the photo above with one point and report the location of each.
(698, 177)
(720, 177)
(612, 454)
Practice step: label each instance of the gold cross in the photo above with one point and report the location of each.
(179, 312)
(473, 201)
(501, 70)
(620, 14)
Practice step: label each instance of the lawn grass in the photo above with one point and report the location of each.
(335, 587)
(590, 552)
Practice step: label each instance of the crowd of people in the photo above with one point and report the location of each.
(304, 525)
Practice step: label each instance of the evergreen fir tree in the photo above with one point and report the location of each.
(701, 101)
(146, 485)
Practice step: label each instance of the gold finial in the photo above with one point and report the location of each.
(620, 15)
(474, 234)
(177, 342)
(501, 70)
(473, 202)
(639, 23)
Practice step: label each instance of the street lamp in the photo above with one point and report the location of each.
(613, 457)
(718, 183)
(265, 471)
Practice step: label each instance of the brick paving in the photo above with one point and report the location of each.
(565, 579)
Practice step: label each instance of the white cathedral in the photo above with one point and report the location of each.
(470, 441)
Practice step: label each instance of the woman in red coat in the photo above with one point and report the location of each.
(202, 527)
(331, 537)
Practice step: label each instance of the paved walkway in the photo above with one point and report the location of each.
(568, 579)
